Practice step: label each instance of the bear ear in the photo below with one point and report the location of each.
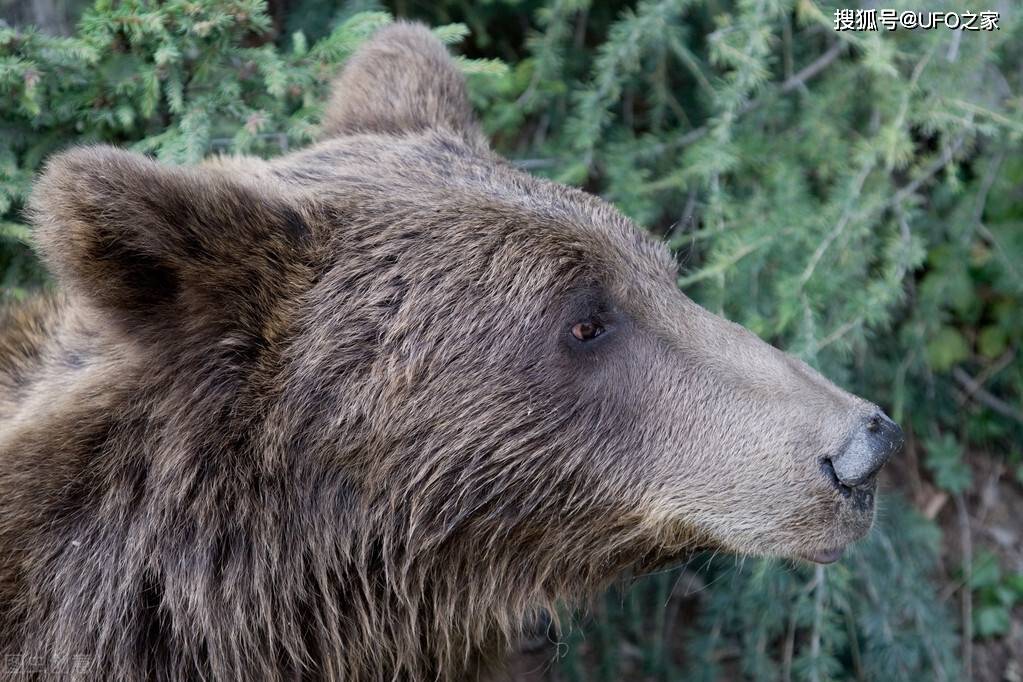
(160, 246)
(402, 81)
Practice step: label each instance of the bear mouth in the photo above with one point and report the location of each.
(825, 556)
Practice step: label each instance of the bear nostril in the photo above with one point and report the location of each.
(867, 451)
(828, 467)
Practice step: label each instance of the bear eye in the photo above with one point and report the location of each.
(587, 330)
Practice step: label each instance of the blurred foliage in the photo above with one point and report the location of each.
(771, 620)
(854, 197)
(995, 593)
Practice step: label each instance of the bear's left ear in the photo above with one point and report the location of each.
(160, 247)
(402, 81)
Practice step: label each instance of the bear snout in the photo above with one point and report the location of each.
(871, 445)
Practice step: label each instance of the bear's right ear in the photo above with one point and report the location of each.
(162, 248)
(402, 81)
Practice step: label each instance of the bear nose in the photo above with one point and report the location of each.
(873, 444)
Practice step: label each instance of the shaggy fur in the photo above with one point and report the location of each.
(324, 417)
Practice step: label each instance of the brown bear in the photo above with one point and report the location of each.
(363, 411)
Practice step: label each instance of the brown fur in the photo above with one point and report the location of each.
(322, 417)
